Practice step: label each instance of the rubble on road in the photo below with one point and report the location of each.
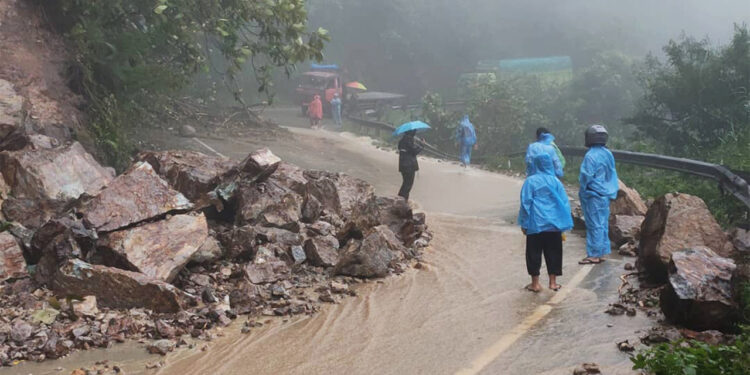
(180, 243)
(628, 202)
(624, 229)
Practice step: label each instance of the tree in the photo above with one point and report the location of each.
(698, 102)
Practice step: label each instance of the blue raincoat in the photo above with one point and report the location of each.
(544, 202)
(467, 138)
(543, 146)
(336, 110)
(599, 185)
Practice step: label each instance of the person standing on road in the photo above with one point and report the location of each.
(336, 110)
(544, 144)
(598, 186)
(408, 149)
(466, 138)
(543, 216)
(315, 112)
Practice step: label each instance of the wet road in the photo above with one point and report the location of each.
(465, 313)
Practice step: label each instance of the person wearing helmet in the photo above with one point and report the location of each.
(545, 143)
(598, 186)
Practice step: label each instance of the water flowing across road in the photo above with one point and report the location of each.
(464, 313)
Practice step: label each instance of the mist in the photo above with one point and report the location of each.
(411, 46)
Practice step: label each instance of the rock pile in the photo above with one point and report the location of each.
(178, 243)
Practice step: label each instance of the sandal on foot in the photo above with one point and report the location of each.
(556, 287)
(530, 289)
(589, 261)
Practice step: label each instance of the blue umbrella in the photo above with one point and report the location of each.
(414, 125)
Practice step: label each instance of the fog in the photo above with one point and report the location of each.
(414, 45)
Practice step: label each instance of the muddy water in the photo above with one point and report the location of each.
(466, 311)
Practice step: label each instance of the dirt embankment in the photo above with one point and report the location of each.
(33, 59)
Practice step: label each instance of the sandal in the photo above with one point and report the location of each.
(588, 260)
(530, 289)
(556, 287)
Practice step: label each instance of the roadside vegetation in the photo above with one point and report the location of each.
(128, 57)
(694, 104)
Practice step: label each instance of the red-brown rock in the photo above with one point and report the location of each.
(191, 173)
(628, 202)
(624, 229)
(62, 173)
(11, 109)
(699, 292)
(116, 288)
(284, 214)
(254, 199)
(12, 263)
(322, 251)
(352, 199)
(260, 164)
(137, 195)
(266, 268)
(371, 257)
(675, 222)
(290, 177)
(158, 250)
(58, 240)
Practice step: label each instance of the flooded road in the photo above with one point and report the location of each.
(465, 313)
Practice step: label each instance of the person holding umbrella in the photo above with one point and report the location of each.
(408, 148)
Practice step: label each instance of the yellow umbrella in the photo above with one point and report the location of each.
(356, 85)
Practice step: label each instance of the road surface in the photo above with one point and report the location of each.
(465, 313)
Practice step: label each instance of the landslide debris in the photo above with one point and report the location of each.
(179, 243)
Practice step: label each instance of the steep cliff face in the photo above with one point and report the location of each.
(33, 60)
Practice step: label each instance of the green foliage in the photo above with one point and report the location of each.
(130, 54)
(698, 102)
(696, 358)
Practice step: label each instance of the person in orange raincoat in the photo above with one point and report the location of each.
(315, 112)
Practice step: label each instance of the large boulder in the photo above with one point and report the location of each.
(116, 288)
(624, 229)
(371, 257)
(209, 252)
(31, 212)
(12, 263)
(675, 222)
(352, 199)
(62, 173)
(699, 292)
(159, 249)
(137, 195)
(628, 202)
(256, 198)
(284, 214)
(322, 251)
(239, 242)
(191, 173)
(290, 177)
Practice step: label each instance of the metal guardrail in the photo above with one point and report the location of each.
(728, 180)
(735, 183)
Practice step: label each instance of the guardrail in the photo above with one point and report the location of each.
(730, 181)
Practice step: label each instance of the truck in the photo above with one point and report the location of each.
(328, 80)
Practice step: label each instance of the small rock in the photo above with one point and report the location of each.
(339, 288)
(327, 297)
(200, 279)
(161, 347)
(20, 331)
(86, 307)
(629, 267)
(208, 295)
(625, 346)
(298, 254)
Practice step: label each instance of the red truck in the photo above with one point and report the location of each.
(327, 80)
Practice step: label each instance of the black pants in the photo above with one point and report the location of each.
(549, 244)
(408, 177)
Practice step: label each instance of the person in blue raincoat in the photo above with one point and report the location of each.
(543, 144)
(336, 110)
(466, 137)
(598, 186)
(543, 216)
